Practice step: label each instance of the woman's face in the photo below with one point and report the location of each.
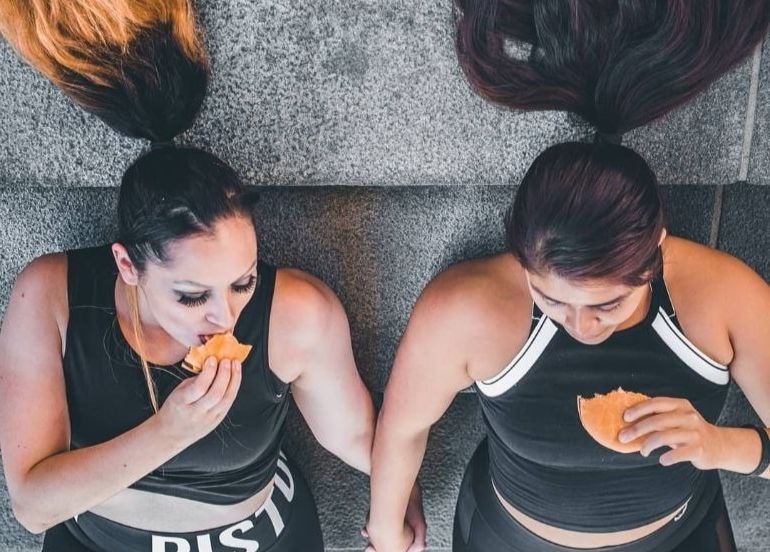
(590, 311)
(204, 285)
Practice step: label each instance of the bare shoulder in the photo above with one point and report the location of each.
(40, 290)
(713, 276)
(711, 291)
(482, 307)
(31, 368)
(304, 314)
(46, 271)
(472, 286)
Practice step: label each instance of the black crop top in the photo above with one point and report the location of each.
(107, 394)
(546, 465)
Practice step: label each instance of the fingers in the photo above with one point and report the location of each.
(659, 422)
(232, 390)
(200, 384)
(370, 548)
(673, 438)
(219, 387)
(416, 521)
(420, 533)
(656, 405)
(675, 456)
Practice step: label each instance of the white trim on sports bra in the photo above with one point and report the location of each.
(687, 352)
(523, 361)
(545, 330)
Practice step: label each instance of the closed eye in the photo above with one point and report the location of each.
(200, 298)
(247, 287)
(608, 308)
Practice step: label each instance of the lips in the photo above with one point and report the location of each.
(205, 337)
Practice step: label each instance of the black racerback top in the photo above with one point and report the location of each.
(544, 463)
(107, 394)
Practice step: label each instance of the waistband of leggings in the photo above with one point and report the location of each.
(667, 537)
(262, 528)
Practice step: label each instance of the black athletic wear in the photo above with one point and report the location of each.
(107, 396)
(546, 465)
(107, 393)
(287, 522)
(482, 524)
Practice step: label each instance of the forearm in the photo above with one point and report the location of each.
(72, 482)
(396, 461)
(741, 449)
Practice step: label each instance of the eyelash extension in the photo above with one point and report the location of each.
(188, 301)
(247, 287)
(196, 301)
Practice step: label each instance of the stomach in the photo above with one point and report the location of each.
(577, 539)
(159, 512)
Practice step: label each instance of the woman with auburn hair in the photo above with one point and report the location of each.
(139, 65)
(592, 296)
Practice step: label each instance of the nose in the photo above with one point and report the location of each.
(221, 314)
(582, 323)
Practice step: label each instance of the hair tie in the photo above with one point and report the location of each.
(615, 138)
(160, 144)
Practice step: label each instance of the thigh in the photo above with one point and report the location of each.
(303, 529)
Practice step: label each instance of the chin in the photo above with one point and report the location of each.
(592, 340)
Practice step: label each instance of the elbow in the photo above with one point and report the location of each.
(29, 519)
(353, 447)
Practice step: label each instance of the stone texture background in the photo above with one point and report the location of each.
(378, 168)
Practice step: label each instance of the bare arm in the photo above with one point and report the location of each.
(742, 300)
(429, 370)
(47, 482)
(313, 350)
(748, 316)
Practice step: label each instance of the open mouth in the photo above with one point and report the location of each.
(203, 338)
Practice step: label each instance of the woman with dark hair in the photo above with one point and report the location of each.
(139, 65)
(125, 449)
(592, 296)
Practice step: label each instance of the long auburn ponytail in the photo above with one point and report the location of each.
(139, 65)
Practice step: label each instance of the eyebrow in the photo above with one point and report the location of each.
(192, 283)
(606, 303)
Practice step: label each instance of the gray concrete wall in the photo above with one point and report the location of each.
(378, 168)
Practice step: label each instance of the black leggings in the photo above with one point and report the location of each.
(482, 524)
(287, 522)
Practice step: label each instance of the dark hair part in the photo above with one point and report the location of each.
(172, 193)
(588, 211)
(619, 64)
(139, 65)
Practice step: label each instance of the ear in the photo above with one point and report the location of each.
(126, 267)
(663, 234)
